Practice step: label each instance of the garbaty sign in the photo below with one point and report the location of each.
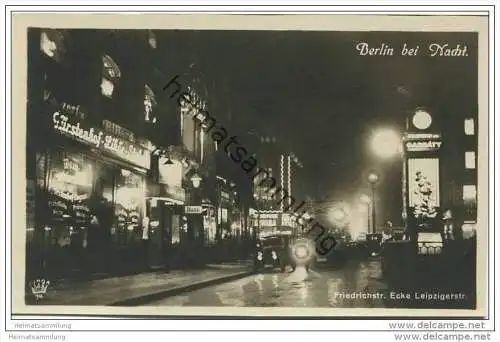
(422, 142)
(97, 138)
(428, 145)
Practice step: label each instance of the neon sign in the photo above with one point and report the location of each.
(193, 209)
(95, 137)
(421, 136)
(428, 145)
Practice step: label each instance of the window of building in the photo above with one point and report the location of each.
(470, 160)
(151, 39)
(469, 128)
(470, 202)
(52, 44)
(149, 104)
(469, 194)
(110, 75)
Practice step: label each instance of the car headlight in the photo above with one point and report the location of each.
(274, 255)
(259, 256)
(303, 251)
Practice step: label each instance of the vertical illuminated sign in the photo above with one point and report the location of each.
(289, 180)
(423, 182)
(282, 166)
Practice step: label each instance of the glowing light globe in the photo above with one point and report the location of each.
(386, 143)
(421, 119)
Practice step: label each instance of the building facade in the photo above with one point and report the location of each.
(274, 207)
(119, 174)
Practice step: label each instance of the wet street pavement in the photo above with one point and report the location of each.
(357, 284)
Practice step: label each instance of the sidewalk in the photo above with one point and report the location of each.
(141, 288)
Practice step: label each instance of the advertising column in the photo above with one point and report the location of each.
(422, 144)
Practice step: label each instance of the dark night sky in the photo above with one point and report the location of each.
(320, 98)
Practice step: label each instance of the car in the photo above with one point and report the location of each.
(337, 256)
(272, 251)
(374, 243)
(281, 250)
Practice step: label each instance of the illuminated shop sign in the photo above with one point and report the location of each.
(420, 146)
(99, 139)
(117, 130)
(193, 209)
(429, 243)
(422, 136)
(269, 216)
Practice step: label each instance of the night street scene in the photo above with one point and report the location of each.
(321, 169)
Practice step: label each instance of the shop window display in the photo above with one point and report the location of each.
(176, 229)
(210, 225)
(129, 203)
(42, 160)
(69, 189)
(102, 204)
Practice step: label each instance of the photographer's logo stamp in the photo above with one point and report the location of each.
(39, 288)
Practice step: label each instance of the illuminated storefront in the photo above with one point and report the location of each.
(230, 216)
(90, 190)
(223, 213)
(209, 222)
(265, 221)
(165, 202)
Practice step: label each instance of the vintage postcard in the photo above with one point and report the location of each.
(284, 165)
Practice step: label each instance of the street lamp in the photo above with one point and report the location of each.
(197, 220)
(196, 180)
(386, 143)
(373, 179)
(365, 199)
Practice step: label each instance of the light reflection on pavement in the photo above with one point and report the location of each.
(320, 287)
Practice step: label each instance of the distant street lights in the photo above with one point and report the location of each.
(338, 214)
(373, 178)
